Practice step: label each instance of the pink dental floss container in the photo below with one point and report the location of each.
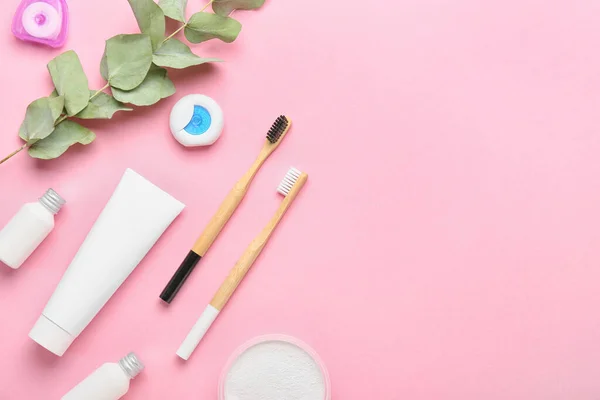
(275, 367)
(42, 21)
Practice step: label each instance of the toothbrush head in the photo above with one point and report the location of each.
(279, 129)
(286, 185)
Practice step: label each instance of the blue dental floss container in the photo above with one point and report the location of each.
(196, 120)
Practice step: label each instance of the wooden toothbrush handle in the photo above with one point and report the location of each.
(228, 207)
(244, 264)
(218, 221)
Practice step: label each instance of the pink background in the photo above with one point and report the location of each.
(447, 245)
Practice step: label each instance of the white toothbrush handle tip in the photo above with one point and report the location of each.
(197, 333)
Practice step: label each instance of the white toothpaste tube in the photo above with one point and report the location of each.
(135, 217)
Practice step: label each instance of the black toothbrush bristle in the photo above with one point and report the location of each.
(278, 128)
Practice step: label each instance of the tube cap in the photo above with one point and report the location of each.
(51, 336)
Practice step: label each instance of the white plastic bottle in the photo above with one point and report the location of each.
(109, 382)
(28, 228)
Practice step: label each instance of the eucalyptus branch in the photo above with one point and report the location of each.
(58, 121)
(136, 65)
(14, 153)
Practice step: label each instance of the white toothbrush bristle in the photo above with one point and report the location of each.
(289, 181)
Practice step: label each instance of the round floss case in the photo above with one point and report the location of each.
(274, 367)
(196, 120)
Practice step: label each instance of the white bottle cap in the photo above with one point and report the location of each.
(131, 365)
(51, 336)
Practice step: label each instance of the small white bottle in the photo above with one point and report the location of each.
(109, 382)
(28, 228)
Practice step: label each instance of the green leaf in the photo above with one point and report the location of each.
(176, 54)
(104, 66)
(150, 19)
(128, 60)
(174, 9)
(70, 81)
(40, 118)
(155, 87)
(102, 106)
(66, 134)
(205, 26)
(225, 7)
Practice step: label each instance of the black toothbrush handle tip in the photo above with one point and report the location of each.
(179, 278)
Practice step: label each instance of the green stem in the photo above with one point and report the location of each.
(173, 34)
(182, 27)
(14, 153)
(61, 119)
(100, 91)
(208, 5)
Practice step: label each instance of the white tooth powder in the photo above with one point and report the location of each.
(275, 370)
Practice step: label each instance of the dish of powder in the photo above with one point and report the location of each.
(275, 370)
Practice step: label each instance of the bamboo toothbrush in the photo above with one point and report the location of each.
(290, 187)
(274, 138)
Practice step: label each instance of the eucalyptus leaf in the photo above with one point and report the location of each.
(70, 81)
(102, 106)
(225, 7)
(40, 118)
(174, 9)
(155, 87)
(128, 60)
(104, 66)
(150, 19)
(176, 54)
(56, 105)
(66, 134)
(204, 26)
